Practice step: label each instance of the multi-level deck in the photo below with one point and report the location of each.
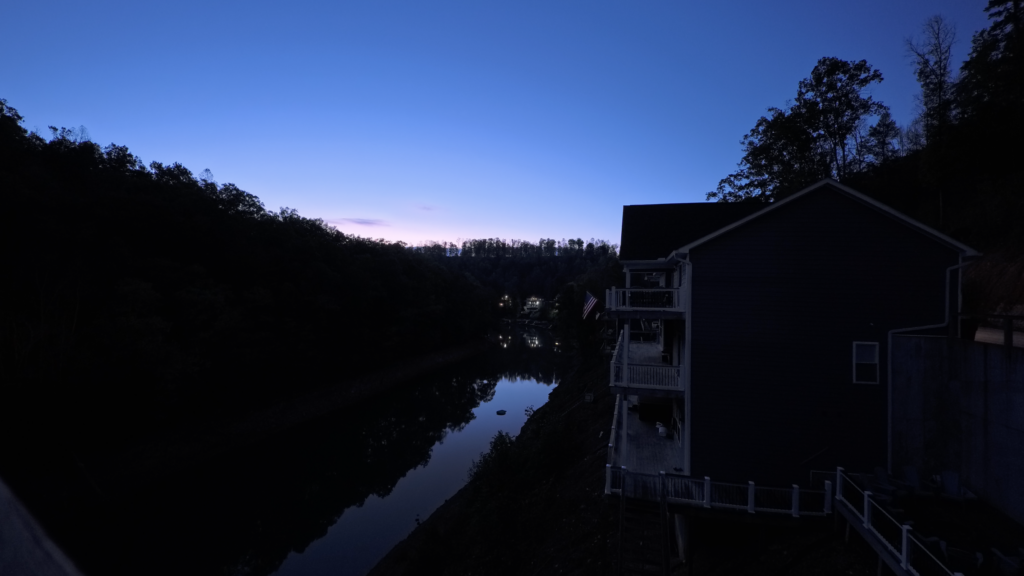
(642, 365)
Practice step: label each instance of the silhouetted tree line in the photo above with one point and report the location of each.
(141, 294)
(521, 269)
(561, 272)
(956, 167)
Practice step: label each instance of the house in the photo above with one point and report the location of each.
(758, 335)
(533, 304)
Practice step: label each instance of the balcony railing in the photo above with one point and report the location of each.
(644, 299)
(631, 371)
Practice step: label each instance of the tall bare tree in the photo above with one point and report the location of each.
(932, 56)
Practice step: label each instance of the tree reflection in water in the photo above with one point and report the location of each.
(245, 513)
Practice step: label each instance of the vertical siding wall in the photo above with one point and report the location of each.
(776, 306)
(959, 405)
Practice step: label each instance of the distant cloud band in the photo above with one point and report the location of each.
(361, 221)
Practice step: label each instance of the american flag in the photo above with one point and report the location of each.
(588, 304)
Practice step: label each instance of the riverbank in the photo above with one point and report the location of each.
(540, 508)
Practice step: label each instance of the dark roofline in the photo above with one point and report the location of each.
(650, 232)
(964, 250)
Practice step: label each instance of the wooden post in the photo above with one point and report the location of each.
(625, 356)
(904, 557)
(796, 501)
(839, 483)
(867, 509)
(665, 531)
(608, 478)
(625, 438)
(828, 496)
(707, 492)
(750, 496)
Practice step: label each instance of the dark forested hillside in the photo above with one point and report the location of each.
(144, 295)
(141, 294)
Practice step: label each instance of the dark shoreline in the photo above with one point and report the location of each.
(186, 446)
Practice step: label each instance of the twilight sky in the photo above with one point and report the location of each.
(439, 120)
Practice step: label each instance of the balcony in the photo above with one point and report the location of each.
(640, 365)
(652, 302)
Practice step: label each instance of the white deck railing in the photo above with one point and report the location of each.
(623, 372)
(614, 446)
(687, 491)
(913, 556)
(644, 299)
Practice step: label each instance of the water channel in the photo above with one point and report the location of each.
(333, 496)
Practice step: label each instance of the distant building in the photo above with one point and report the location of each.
(757, 334)
(533, 304)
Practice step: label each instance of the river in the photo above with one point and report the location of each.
(334, 495)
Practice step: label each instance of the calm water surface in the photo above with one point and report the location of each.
(331, 496)
(364, 534)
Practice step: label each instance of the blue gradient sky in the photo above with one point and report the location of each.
(438, 120)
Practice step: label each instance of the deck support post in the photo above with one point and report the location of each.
(666, 531)
(867, 509)
(828, 497)
(750, 496)
(796, 501)
(707, 492)
(607, 478)
(682, 536)
(625, 355)
(839, 483)
(625, 437)
(904, 560)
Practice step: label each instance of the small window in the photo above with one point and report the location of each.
(865, 362)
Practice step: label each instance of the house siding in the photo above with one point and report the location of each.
(776, 306)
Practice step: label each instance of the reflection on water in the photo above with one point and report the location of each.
(363, 535)
(335, 495)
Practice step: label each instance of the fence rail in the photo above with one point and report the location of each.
(895, 536)
(688, 491)
(644, 298)
(614, 446)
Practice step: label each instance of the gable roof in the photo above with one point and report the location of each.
(653, 231)
(829, 183)
(656, 231)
